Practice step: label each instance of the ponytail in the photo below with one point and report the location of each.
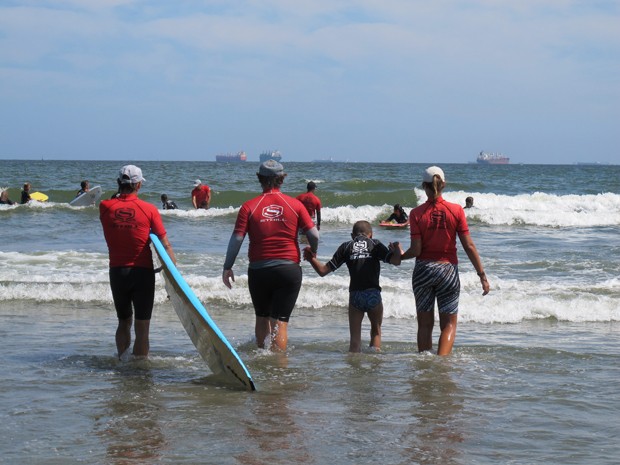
(436, 186)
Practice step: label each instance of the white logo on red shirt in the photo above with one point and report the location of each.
(273, 211)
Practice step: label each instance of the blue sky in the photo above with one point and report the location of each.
(390, 80)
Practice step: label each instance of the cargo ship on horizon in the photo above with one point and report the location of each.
(270, 155)
(485, 158)
(231, 158)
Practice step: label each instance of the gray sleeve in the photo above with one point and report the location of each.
(313, 238)
(234, 245)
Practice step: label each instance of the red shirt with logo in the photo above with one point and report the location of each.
(438, 223)
(311, 202)
(201, 193)
(127, 222)
(272, 220)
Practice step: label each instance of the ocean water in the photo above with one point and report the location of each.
(532, 378)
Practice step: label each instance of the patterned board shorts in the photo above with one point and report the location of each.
(365, 300)
(436, 280)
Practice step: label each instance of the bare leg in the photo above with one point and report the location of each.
(279, 335)
(426, 321)
(262, 331)
(376, 319)
(355, 329)
(123, 336)
(141, 345)
(447, 323)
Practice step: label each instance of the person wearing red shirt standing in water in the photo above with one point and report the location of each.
(274, 274)
(434, 227)
(312, 203)
(127, 222)
(201, 195)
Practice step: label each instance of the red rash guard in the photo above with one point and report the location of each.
(438, 223)
(201, 193)
(311, 202)
(272, 220)
(127, 222)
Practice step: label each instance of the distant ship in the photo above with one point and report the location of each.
(230, 158)
(485, 158)
(270, 155)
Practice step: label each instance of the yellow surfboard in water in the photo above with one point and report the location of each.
(40, 196)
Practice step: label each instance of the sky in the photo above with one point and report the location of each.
(369, 80)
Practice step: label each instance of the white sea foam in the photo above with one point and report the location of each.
(200, 212)
(83, 277)
(537, 209)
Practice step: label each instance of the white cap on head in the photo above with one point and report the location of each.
(431, 172)
(130, 174)
(197, 182)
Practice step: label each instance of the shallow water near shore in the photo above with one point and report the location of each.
(543, 384)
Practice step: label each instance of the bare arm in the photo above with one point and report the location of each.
(166, 243)
(321, 268)
(414, 250)
(474, 258)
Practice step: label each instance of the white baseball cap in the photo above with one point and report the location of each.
(431, 172)
(130, 174)
(197, 182)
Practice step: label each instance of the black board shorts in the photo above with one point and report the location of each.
(274, 290)
(131, 285)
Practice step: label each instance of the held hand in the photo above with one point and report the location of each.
(308, 254)
(395, 246)
(227, 276)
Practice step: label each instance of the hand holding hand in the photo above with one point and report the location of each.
(308, 253)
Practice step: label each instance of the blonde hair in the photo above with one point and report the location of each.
(436, 186)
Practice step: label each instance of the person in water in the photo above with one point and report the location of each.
(469, 202)
(398, 216)
(4, 197)
(272, 221)
(84, 187)
(312, 203)
(201, 195)
(127, 222)
(363, 256)
(26, 193)
(434, 227)
(167, 204)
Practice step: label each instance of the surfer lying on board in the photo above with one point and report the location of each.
(399, 216)
(127, 222)
(274, 274)
(363, 256)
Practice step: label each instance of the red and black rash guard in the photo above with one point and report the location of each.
(272, 221)
(127, 222)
